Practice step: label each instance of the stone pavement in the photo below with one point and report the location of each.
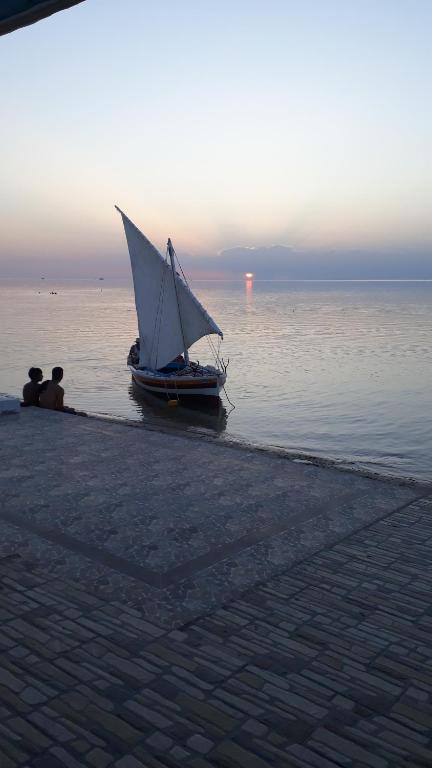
(329, 664)
(173, 525)
(284, 622)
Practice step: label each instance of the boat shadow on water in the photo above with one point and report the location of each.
(187, 415)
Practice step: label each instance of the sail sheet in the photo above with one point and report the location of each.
(160, 329)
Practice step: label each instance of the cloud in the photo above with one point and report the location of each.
(285, 262)
(274, 262)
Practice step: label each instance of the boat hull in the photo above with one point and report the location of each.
(179, 387)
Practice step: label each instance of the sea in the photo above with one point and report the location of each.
(340, 370)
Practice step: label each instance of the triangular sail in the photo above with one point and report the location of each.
(156, 304)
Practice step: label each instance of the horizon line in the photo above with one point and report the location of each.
(240, 278)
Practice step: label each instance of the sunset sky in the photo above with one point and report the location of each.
(242, 124)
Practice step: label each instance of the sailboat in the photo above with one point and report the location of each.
(170, 320)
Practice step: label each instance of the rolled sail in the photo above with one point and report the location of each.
(156, 304)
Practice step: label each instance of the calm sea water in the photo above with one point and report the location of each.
(335, 369)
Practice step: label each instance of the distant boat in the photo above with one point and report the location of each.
(101, 278)
(170, 320)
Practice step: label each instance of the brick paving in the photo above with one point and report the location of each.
(328, 664)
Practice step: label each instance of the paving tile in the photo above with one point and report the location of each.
(326, 664)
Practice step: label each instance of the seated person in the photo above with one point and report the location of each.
(31, 390)
(134, 353)
(52, 393)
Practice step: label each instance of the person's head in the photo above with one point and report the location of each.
(57, 373)
(35, 374)
(137, 342)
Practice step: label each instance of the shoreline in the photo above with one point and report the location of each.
(237, 441)
(243, 443)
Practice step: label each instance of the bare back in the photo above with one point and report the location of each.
(31, 392)
(52, 396)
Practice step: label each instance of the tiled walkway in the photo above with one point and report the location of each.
(175, 525)
(329, 664)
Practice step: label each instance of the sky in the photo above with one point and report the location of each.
(293, 136)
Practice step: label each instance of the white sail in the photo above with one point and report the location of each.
(160, 330)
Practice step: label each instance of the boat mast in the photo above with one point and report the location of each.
(171, 254)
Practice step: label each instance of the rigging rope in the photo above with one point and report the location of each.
(231, 404)
(181, 269)
(215, 351)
